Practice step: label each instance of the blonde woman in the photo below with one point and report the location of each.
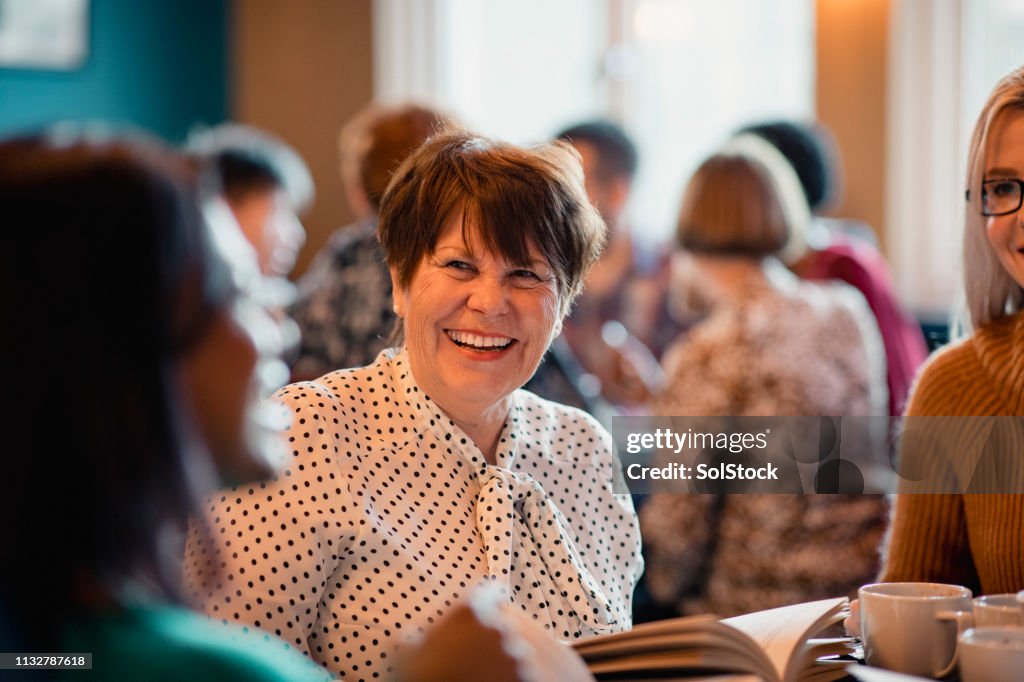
(977, 540)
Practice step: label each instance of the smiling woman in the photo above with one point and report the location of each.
(1001, 191)
(429, 472)
(977, 540)
(476, 327)
(487, 245)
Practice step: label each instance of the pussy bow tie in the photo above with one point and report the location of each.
(532, 557)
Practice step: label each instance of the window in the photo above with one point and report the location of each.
(946, 57)
(700, 71)
(513, 69)
(680, 75)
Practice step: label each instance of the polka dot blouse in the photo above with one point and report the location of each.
(387, 515)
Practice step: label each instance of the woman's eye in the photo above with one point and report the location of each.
(1003, 189)
(458, 265)
(999, 188)
(526, 274)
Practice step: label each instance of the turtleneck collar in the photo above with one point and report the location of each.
(1000, 349)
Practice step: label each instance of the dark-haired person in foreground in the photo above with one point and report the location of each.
(419, 477)
(136, 359)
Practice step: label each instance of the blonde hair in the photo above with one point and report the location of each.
(744, 200)
(989, 291)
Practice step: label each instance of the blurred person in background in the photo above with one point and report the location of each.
(768, 345)
(265, 183)
(620, 324)
(344, 310)
(845, 250)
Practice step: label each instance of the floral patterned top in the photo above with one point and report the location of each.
(789, 349)
(344, 310)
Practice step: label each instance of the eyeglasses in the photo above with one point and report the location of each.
(1001, 197)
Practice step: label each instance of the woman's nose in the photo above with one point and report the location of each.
(488, 296)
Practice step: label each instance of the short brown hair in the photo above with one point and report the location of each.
(733, 205)
(378, 139)
(517, 196)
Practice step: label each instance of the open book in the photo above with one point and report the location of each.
(775, 645)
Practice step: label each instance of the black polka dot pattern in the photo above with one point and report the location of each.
(387, 515)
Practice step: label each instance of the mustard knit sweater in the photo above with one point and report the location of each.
(976, 540)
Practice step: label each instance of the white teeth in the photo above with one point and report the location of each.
(479, 341)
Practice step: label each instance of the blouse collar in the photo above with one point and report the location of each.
(428, 415)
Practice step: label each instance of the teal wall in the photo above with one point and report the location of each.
(156, 64)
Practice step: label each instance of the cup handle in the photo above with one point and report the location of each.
(964, 620)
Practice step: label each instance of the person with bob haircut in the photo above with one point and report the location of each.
(768, 344)
(977, 540)
(427, 473)
(139, 356)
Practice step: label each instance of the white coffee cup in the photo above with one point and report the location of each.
(992, 654)
(912, 628)
(998, 609)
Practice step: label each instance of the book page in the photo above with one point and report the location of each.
(783, 632)
(645, 631)
(675, 645)
(816, 649)
(681, 663)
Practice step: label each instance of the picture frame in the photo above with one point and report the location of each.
(44, 34)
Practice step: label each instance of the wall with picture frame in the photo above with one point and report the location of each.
(158, 66)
